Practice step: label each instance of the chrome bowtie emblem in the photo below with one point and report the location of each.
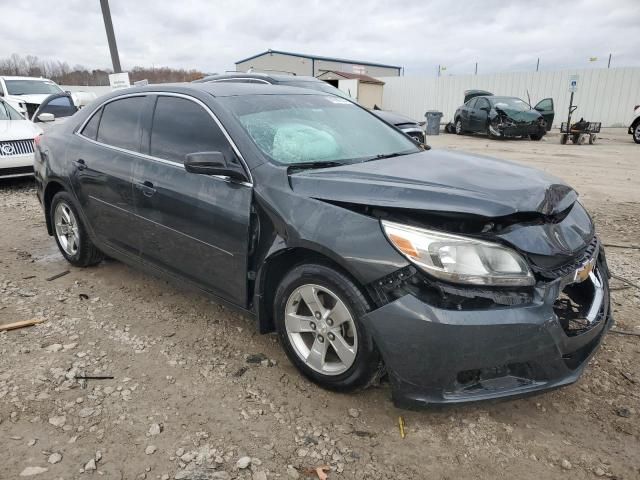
(7, 149)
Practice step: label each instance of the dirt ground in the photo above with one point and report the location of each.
(198, 394)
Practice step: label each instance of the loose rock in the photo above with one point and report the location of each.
(54, 458)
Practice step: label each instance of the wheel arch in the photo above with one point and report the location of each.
(273, 270)
(53, 187)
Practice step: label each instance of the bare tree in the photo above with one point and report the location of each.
(60, 72)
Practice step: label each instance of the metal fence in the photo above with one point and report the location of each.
(604, 95)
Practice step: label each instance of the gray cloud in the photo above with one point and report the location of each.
(420, 35)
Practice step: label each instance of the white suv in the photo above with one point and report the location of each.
(25, 94)
(634, 128)
(17, 135)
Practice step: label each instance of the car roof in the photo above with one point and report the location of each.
(221, 89)
(267, 77)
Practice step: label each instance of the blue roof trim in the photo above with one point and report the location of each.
(316, 57)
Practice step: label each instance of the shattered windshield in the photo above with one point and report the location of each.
(31, 87)
(510, 103)
(297, 129)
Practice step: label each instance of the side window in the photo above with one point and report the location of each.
(181, 126)
(59, 106)
(546, 105)
(472, 103)
(90, 130)
(120, 123)
(482, 103)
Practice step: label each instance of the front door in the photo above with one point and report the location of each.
(102, 167)
(193, 226)
(545, 107)
(480, 116)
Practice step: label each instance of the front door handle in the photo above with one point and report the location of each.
(146, 188)
(80, 165)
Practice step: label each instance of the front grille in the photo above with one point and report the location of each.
(573, 305)
(16, 147)
(589, 252)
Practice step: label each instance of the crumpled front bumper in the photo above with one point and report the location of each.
(438, 356)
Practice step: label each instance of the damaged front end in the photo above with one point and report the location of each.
(461, 343)
(506, 124)
(449, 338)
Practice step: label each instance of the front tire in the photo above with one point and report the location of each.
(458, 127)
(71, 234)
(636, 133)
(317, 313)
(535, 137)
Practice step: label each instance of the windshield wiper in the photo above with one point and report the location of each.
(382, 156)
(305, 165)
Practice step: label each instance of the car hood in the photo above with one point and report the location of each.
(18, 130)
(35, 98)
(439, 181)
(520, 115)
(393, 118)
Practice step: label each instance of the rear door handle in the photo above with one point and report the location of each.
(146, 188)
(80, 164)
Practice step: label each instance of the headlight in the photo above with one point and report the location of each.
(459, 259)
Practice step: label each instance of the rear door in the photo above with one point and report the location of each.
(545, 107)
(193, 226)
(103, 169)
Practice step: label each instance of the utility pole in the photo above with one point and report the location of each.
(111, 38)
(609, 64)
(476, 68)
(538, 64)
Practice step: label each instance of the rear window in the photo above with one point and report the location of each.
(90, 130)
(120, 123)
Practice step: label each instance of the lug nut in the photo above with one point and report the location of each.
(320, 338)
(317, 314)
(330, 322)
(331, 336)
(313, 326)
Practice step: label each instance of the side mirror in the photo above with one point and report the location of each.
(46, 117)
(213, 163)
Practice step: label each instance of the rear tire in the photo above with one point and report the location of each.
(536, 138)
(317, 308)
(71, 234)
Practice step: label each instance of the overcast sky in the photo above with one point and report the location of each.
(210, 35)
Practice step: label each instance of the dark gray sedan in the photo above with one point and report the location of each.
(462, 277)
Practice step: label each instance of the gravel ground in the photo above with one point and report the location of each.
(198, 394)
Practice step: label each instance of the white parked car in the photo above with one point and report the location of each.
(17, 135)
(634, 128)
(25, 94)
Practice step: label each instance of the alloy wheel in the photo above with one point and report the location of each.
(321, 329)
(458, 127)
(636, 133)
(66, 226)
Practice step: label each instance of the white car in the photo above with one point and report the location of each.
(634, 128)
(16, 142)
(25, 94)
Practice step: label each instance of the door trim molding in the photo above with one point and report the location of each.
(161, 225)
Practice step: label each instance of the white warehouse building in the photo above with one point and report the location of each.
(313, 65)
